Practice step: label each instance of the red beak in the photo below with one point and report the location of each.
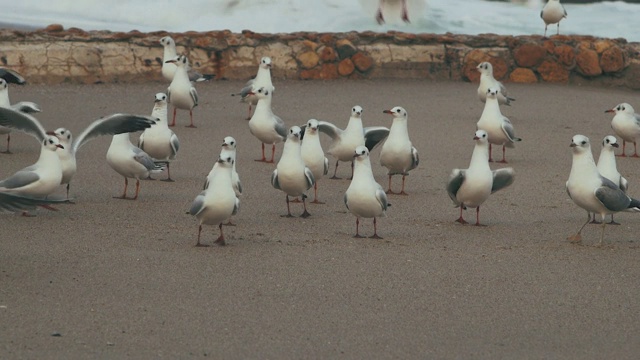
(387, 111)
(60, 146)
(173, 61)
(51, 133)
(610, 110)
(476, 138)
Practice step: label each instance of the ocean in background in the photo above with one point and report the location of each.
(605, 19)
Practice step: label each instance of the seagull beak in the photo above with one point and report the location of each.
(610, 110)
(387, 111)
(251, 93)
(476, 138)
(60, 146)
(51, 133)
(172, 61)
(615, 145)
(573, 144)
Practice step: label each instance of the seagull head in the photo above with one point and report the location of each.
(312, 126)
(397, 112)
(229, 143)
(62, 134)
(481, 136)
(261, 93)
(295, 133)
(356, 111)
(265, 62)
(179, 61)
(361, 153)
(52, 143)
(492, 93)
(610, 141)
(225, 161)
(580, 144)
(161, 97)
(623, 108)
(167, 41)
(485, 68)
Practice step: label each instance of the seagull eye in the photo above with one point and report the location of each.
(398, 111)
(583, 142)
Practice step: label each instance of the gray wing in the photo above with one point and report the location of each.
(381, 196)
(11, 76)
(21, 178)
(196, 76)
(274, 180)
(194, 96)
(507, 128)
(26, 107)
(112, 125)
(175, 145)
(415, 160)
(326, 166)
(141, 141)
(239, 187)
(502, 178)
(146, 160)
(168, 92)
(328, 128)
(637, 118)
(24, 122)
(566, 187)
(373, 135)
(565, 10)
(236, 207)
(281, 128)
(16, 203)
(541, 12)
(198, 204)
(309, 177)
(624, 184)
(611, 196)
(346, 201)
(503, 90)
(246, 90)
(455, 181)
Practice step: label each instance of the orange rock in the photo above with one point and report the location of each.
(311, 74)
(202, 41)
(588, 63)
(346, 67)
(549, 45)
(362, 62)
(327, 54)
(329, 71)
(551, 71)
(612, 60)
(529, 55)
(602, 45)
(54, 28)
(523, 75)
(327, 39)
(565, 55)
(475, 57)
(308, 60)
(311, 45)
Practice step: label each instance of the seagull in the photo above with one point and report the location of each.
(23, 106)
(607, 168)
(291, 175)
(181, 93)
(397, 153)
(313, 155)
(108, 125)
(160, 142)
(264, 124)
(592, 191)
(130, 162)
(262, 79)
(343, 142)
(40, 179)
(471, 187)
(228, 151)
(404, 11)
(497, 126)
(11, 76)
(552, 13)
(365, 197)
(169, 69)
(626, 124)
(488, 81)
(218, 202)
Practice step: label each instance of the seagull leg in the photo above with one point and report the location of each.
(173, 123)
(402, 190)
(613, 222)
(478, 217)
(198, 244)
(220, 240)
(8, 142)
(273, 154)
(504, 158)
(593, 220)
(137, 189)
(461, 220)
(405, 12)
(124, 193)
(249, 114)
(490, 159)
(558, 32)
(545, 30)
(379, 17)
(375, 230)
(168, 179)
(288, 209)
(604, 224)
(191, 118)
(264, 159)
(635, 150)
(624, 146)
(389, 191)
(576, 238)
(335, 171)
(357, 235)
(305, 213)
(229, 223)
(315, 194)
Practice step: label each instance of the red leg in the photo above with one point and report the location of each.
(8, 143)
(124, 193)
(490, 159)
(478, 216)
(357, 235)
(137, 189)
(273, 154)
(288, 208)
(389, 191)
(335, 171)
(402, 190)
(461, 220)
(191, 118)
(504, 159)
(249, 114)
(264, 159)
(173, 123)
(220, 240)
(635, 149)
(624, 153)
(168, 179)
(375, 230)
(315, 194)
(198, 243)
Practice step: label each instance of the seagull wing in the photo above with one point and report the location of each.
(328, 128)
(455, 182)
(610, 195)
(502, 178)
(198, 204)
(24, 122)
(373, 135)
(11, 76)
(112, 125)
(274, 179)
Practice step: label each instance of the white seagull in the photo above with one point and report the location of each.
(397, 153)
(552, 13)
(497, 126)
(264, 124)
(626, 124)
(592, 191)
(40, 179)
(471, 187)
(344, 142)
(487, 81)
(130, 162)
(218, 202)
(23, 106)
(169, 69)
(160, 142)
(404, 13)
(365, 197)
(607, 168)
(109, 125)
(228, 151)
(291, 175)
(262, 79)
(11, 76)
(313, 155)
(181, 92)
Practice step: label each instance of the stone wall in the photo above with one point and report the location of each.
(54, 55)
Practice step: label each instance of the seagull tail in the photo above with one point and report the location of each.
(206, 77)
(634, 206)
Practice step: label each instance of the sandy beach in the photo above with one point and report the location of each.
(109, 278)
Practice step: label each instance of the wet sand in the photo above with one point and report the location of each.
(116, 278)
